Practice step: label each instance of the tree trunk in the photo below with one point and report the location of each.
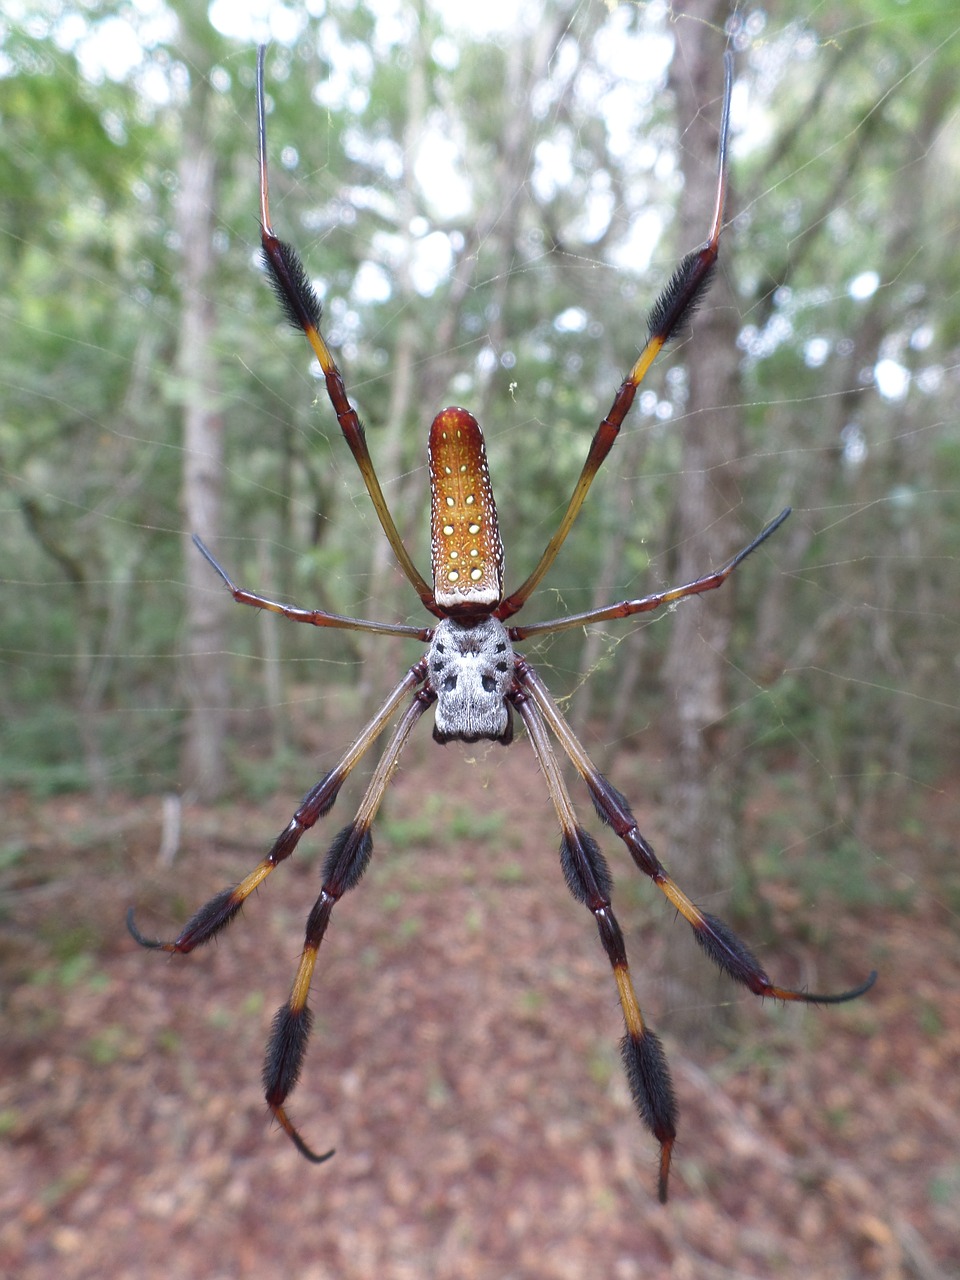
(204, 671)
(701, 822)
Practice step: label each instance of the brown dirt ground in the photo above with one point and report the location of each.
(463, 1062)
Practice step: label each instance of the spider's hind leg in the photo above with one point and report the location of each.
(716, 938)
(588, 879)
(345, 863)
(224, 906)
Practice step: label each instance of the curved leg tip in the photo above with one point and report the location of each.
(813, 997)
(153, 944)
(290, 1130)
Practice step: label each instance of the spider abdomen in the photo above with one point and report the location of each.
(466, 551)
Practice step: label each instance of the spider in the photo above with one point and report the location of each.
(475, 680)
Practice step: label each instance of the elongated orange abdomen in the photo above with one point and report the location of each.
(466, 550)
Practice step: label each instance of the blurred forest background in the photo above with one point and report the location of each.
(488, 221)
(488, 203)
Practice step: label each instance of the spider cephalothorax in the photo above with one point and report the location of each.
(475, 679)
(470, 669)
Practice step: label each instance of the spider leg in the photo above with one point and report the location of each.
(302, 308)
(216, 914)
(316, 617)
(670, 312)
(345, 863)
(588, 879)
(626, 608)
(716, 938)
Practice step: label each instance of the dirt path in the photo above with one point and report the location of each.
(463, 1062)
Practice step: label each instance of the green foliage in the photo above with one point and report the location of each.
(839, 872)
(457, 822)
(260, 778)
(944, 1187)
(846, 635)
(108, 1045)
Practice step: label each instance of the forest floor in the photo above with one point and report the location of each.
(464, 1057)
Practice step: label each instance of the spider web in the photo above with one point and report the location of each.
(489, 213)
(536, 245)
(560, 232)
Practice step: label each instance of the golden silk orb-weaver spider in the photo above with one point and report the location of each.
(475, 680)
